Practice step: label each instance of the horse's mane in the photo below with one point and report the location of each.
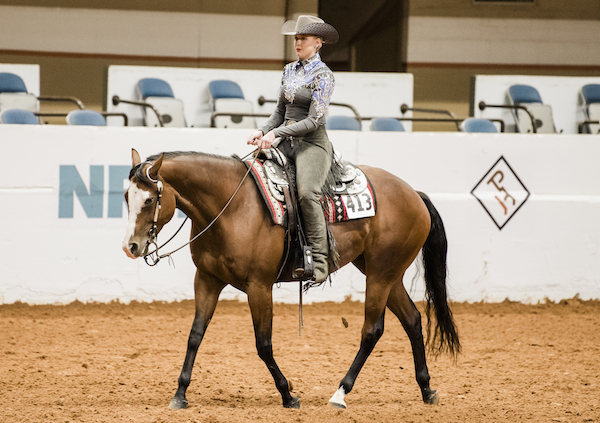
(137, 172)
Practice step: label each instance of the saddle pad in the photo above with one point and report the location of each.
(338, 208)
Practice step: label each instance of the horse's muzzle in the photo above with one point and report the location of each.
(132, 250)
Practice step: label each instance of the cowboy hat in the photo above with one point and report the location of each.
(311, 25)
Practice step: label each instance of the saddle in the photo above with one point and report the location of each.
(351, 197)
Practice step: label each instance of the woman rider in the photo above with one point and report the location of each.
(299, 119)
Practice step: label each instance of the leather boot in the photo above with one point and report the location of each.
(315, 228)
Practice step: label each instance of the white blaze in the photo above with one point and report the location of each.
(136, 198)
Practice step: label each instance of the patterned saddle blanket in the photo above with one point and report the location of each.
(353, 196)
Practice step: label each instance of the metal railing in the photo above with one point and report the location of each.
(587, 123)
(105, 114)
(482, 106)
(262, 100)
(453, 119)
(53, 98)
(116, 100)
(214, 115)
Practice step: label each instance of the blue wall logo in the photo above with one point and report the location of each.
(71, 185)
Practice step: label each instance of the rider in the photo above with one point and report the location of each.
(299, 119)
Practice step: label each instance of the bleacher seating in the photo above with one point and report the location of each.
(347, 123)
(386, 124)
(227, 97)
(590, 96)
(18, 116)
(474, 125)
(159, 94)
(529, 97)
(85, 117)
(14, 95)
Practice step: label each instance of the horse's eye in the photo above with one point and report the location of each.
(148, 201)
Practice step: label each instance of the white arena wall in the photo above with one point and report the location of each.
(63, 217)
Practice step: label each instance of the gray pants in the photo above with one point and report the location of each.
(312, 155)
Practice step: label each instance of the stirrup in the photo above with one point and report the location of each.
(307, 272)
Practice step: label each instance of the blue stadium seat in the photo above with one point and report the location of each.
(223, 88)
(590, 95)
(14, 95)
(347, 123)
(18, 116)
(227, 97)
(11, 83)
(478, 125)
(159, 94)
(528, 97)
(386, 124)
(154, 87)
(85, 117)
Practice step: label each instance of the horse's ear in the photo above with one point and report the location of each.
(153, 171)
(135, 157)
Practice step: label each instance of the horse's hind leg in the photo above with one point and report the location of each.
(402, 306)
(260, 299)
(373, 327)
(207, 294)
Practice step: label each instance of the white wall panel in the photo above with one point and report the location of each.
(548, 249)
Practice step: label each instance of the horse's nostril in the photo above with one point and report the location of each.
(133, 247)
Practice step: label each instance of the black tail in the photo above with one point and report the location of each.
(445, 335)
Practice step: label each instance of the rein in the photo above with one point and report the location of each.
(152, 258)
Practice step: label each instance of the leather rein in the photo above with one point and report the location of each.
(152, 258)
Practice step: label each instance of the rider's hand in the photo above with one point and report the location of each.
(266, 141)
(255, 137)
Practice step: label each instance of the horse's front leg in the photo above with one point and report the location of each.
(371, 333)
(206, 292)
(260, 299)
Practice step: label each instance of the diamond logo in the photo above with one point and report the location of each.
(501, 192)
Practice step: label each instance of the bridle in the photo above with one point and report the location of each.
(152, 258)
(153, 232)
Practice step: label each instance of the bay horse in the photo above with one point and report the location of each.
(381, 247)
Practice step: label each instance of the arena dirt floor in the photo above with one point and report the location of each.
(120, 363)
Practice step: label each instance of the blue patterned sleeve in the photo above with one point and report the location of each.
(322, 94)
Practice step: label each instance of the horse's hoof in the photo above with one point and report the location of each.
(341, 406)
(432, 398)
(294, 403)
(337, 400)
(177, 404)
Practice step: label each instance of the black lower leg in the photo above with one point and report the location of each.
(194, 340)
(367, 344)
(265, 352)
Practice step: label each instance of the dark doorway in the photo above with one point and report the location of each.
(373, 35)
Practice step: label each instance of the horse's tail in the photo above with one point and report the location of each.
(445, 335)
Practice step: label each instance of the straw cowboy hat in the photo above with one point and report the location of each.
(311, 25)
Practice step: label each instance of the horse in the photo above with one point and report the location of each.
(382, 247)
